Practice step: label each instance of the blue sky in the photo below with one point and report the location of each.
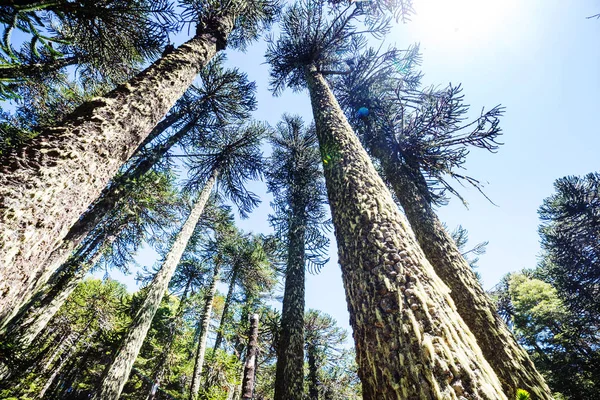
(538, 58)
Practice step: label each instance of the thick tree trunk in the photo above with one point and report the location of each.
(509, 360)
(226, 305)
(313, 382)
(289, 378)
(163, 359)
(117, 373)
(250, 367)
(46, 184)
(410, 341)
(201, 349)
(35, 315)
(103, 205)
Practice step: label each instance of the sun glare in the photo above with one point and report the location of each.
(459, 22)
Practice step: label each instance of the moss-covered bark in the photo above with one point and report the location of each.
(509, 360)
(410, 341)
(289, 378)
(117, 373)
(46, 184)
(201, 349)
(250, 365)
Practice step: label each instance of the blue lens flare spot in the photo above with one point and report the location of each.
(362, 112)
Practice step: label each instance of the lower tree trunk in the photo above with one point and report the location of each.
(289, 377)
(250, 367)
(163, 359)
(104, 204)
(118, 371)
(509, 360)
(410, 341)
(35, 315)
(48, 182)
(201, 349)
(225, 315)
(313, 382)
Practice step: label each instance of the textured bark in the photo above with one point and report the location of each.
(410, 341)
(226, 305)
(33, 317)
(118, 372)
(250, 366)
(163, 359)
(313, 382)
(103, 205)
(509, 360)
(289, 378)
(201, 349)
(46, 184)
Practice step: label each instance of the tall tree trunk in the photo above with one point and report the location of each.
(117, 373)
(35, 315)
(410, 341)
(103, 205)
(508, 359)
(250, 367)
(289, 377)
(163, 359)
(47, 183)
(226, 305)
(313, 382)
(201, 349)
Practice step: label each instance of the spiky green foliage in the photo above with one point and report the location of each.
(570, 233)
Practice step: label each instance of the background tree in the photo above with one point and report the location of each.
(389, 284)
(295, 178)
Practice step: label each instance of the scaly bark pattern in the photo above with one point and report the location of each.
(410, 341)
(201, 349)
(250, 366)
(289, 378)
(46, 184)
(118, 372)
(509, 360)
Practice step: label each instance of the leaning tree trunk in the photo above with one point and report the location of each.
(226, 305)
(508, 359)
(163, 359)
(410, 341)
(250, 367)
(47, 183)
(289, 377)
(201, 349)
(104, 204)
(117, 373)
(35, 315)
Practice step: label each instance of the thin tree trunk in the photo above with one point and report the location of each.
(47, 183)
(289, 377)
(250, 367)
(35, 315)
(508, 359)
(163, 359)
(225, 314)
(410, 341)
(117, 373)
(313, 383)
(103, 205)
(201, 349)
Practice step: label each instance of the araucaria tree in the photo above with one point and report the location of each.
(410, 341)
(295, 178)
(231, 155)
(420, 139)
(70, 163)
